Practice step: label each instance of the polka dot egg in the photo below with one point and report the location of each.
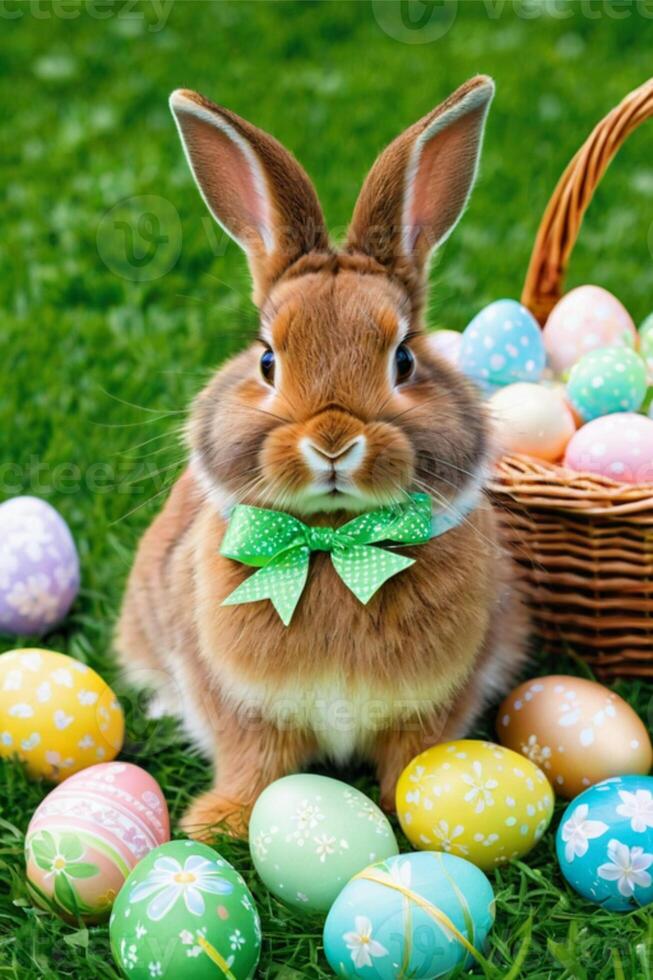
(605, 843)
(609, 380)
(476, 800)
(39, 567)
(502, 344)
(310, 834)
(183, 912)
(56, 714)
(618, 446)
(87, 835)
(579, 732)
(415, 915)
(585, 319)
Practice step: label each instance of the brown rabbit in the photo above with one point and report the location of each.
(339, 407)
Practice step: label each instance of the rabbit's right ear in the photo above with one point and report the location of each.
(417, 190)
(252, 186)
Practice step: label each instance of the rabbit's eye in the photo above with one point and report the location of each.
(404, 363)
(267, 365)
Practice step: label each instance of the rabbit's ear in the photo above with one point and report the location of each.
(251, 185)
(416, 191)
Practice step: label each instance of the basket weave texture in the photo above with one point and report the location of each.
(584, 542)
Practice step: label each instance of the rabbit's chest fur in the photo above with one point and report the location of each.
(343, 670)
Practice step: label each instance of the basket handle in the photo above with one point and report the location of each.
(563, 217)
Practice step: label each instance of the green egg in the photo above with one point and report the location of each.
(611, 379)
(309, 835)
(184, 911)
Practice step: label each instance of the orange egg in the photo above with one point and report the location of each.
(579, 732)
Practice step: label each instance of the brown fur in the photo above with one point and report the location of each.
(419, 662)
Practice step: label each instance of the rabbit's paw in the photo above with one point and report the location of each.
(213, 814)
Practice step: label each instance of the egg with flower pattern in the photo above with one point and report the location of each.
(605, 843)
(39, 567)
(476, 800)
(88, 834)
(414, 915)
(185, 911)
(56, 714)
(579, 732)
(501, 345)
(310, 834)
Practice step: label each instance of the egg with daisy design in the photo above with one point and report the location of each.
(310, 834)
(87, 835)
(414, 915)
(185, 911)
(605, 843)
(476, 800)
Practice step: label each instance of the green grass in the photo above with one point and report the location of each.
(98, 368)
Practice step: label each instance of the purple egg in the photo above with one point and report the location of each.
(39, 567)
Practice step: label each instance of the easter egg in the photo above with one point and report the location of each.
(585, 319)
(619, 446)
(579, 732)
(502, 344)
(39, 567)
(447, 344)
(185, 912)
(310, 834)
(476, 800)
(88, 834)
(531, 419)
(646, 327)
(56, 714)
(605, 843)
(611, 379)
(415, 915)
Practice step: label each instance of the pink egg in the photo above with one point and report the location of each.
(88, 834)
(447, 344)
(531, 419)
(619, 446)
(585, 319)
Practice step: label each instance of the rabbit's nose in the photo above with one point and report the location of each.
(343, 459)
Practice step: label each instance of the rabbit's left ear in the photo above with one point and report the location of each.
(416, 191)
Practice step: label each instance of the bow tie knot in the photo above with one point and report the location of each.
(321, 538)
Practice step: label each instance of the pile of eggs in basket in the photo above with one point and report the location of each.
(574, 392)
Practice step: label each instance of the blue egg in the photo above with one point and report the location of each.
(503, 344)
(605, 843)
(406, 916)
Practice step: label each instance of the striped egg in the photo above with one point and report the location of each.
(88, 834)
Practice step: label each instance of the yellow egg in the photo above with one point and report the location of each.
(56, 714)
(531, 419)
(474, 799)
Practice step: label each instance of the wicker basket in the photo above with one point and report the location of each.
(585, 542)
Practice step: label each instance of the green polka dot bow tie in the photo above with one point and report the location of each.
(280, 547)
